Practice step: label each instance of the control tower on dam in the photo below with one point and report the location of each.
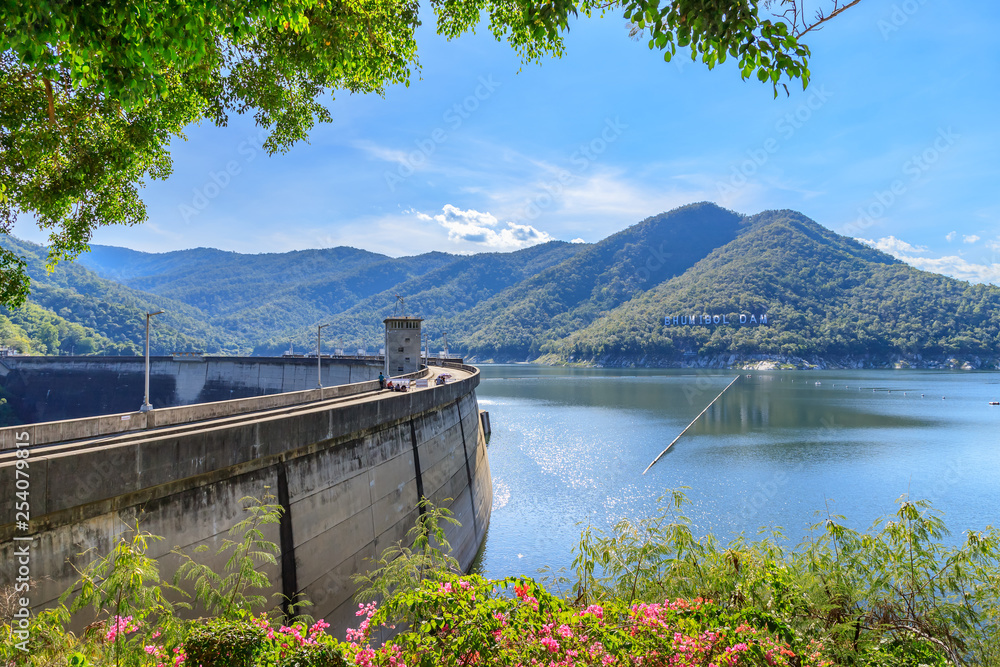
(348, 465)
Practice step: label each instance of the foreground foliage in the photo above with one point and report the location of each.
(643, 593)
(465, 621)
(894, 591)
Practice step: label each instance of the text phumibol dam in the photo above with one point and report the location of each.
(705, 318)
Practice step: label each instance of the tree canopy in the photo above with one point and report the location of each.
(92, 93)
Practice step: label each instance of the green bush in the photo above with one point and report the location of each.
(225, 642)
(313, 655)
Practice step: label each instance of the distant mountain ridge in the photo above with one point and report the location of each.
(825, 295)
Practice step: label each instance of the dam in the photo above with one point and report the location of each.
(347, 464)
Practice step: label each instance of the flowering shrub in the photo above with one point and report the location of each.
(895, 597)
(473, 621)
(253, 640)
(223, 642)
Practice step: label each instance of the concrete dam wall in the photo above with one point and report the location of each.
(347, 470)
(41, 389)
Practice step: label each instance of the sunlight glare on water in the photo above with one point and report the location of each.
(569, 447)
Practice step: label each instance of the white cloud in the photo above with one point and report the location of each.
(950, 236)
(383, 153)
(993, 245)
(484, 229)
(952, 265)
(972, 238)
(577, 241)
(956, 267)
(893, 246)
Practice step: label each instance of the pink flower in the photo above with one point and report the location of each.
(364, 657)
(121, 625)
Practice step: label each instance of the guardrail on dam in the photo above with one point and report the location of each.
(348, 466)
(60, 388)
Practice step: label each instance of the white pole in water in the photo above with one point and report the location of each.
(319, 355)
(146, 407)
(691, 424)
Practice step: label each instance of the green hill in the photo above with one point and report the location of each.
(520, 321)
(82, 305)
(450, 293)
(221, 302)
(824, 295)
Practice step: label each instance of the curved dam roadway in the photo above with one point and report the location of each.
(347, 463)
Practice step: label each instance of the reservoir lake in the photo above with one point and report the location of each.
(779, 448)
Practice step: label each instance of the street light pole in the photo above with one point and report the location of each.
(146, 406)
(319, 355)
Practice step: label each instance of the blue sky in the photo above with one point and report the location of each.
(895, 141)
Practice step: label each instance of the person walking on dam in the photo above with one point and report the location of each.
(381, 381)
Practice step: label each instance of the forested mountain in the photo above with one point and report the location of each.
(519, 321)
(92, 315)
(824, 295)
(442, 296)
(228, 303)
(255, 293)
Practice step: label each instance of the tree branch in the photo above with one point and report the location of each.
(52, 102)
(823, 18)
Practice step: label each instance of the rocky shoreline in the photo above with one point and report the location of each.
(764, 362)
(771, 362)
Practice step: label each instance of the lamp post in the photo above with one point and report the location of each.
(146, 407)
(319, 355)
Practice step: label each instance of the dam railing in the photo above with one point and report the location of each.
(47, 433)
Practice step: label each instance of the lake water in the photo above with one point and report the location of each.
(570, 445)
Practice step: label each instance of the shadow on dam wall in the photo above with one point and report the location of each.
(43, 389)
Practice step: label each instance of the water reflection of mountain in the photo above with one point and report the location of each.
(758, 405)
(764, 402)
